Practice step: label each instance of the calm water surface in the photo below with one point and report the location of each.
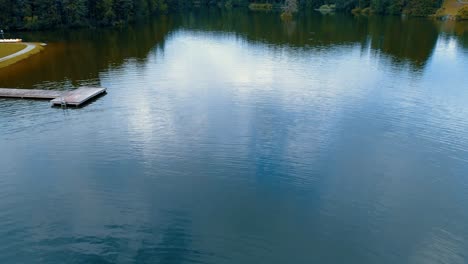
(230, 137)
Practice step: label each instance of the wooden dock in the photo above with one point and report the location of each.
(61, 98)
(30, 94)
(78, 97)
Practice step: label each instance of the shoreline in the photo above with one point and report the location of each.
(30, 49)
(450, 10)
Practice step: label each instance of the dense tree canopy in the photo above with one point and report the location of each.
(42, 14)
(45, 14)
(392, 7)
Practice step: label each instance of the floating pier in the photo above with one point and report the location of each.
(59, 98)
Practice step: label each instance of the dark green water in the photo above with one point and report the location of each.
(231, 137)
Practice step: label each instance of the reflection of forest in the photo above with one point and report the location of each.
(409, 40)
(457, 28)
(83, 54)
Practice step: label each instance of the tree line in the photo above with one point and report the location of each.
(47, 14)
(392, 7)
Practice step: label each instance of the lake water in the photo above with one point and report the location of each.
(231, 137)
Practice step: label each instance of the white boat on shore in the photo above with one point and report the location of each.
(10, 40)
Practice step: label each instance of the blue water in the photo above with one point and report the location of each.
(223, 146)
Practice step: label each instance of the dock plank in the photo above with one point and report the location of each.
(72, 98)
(79, 96)
(30, 93)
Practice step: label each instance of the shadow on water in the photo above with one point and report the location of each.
(455, 28)
(403, 39)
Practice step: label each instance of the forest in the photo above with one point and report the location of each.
(47, 14)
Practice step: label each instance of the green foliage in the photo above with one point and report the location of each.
(228, 4)
(379, 6)
(236, 3)
(285, 16)
(367, 11)
(31, 22)
(290, 6)
(45, 14)
(363, 3)
(311, 4)
(395, 7)
(462, 13)
(421, 7)
(346, 5)
(261, 7)
(327, 7)
(364, 11)
(391, 7)
(123, 10)
(75, 12)
(104, 12)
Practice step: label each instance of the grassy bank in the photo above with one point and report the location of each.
(453, 9)
(7, 49)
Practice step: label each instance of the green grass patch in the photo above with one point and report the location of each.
(11, 61)
(7, 49)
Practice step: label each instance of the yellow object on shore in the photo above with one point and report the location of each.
(11, 53)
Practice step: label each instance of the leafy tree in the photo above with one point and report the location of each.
(346, 4)
(422, 7)
(123, 10)
(141, 8)
(46, 14)
(105, 12)
(75, 12)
